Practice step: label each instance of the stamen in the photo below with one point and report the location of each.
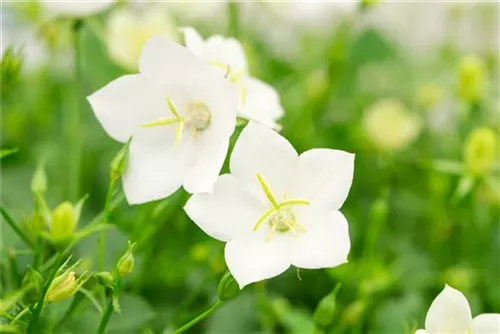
(267, 191)
(161, 122)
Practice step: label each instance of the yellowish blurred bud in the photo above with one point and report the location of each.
(481, 150)
(62, 287)
(39, 181)
(126, 263)
(64, 221)
(472, 78)
(128, 29)
(105, 278)
(317, 83)
(459, 277)
(120, 161)
(200, 252)
(390, 126)
(10, 69)
(429, 95)
(325, 311)
(354, 313)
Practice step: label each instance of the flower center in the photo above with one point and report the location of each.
(197, 119)
(281, 217)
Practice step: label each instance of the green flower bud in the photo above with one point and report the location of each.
(39, 181)
(480, 151)
(325, 311)
(120, 161)
(228, 287)
(64, 286)
(353, 313)
(64, 220)
(105, 278)
(472, 78)
(429, 95)
(126, 263)
(10, 69)
(33, 283)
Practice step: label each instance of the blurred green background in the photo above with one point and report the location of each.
(410, 88)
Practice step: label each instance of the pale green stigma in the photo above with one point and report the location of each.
(197, 118)
(281, 218)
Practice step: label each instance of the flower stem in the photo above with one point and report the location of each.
(109, 310)
(33, 325)
(20, 315)
(7, 218)
(233, 12)
(105, 219)
(74, 120)
(199, 318)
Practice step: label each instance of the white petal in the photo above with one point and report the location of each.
(76, 9)
(325, 176)
(421, 331)
(487, 323)
(193, 40)
(155, 172)
(449, 313)
(326, 243)
(251, 258)
(260, 102)
(125, 103)
(227, 51)
(167, 62)
(261, 150)
(229, 212)
(209, 160)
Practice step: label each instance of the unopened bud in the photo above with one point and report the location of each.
(10, 69)
(480, 151)
(120, 161)
(64, 220)
(472, 78)
(62, 287)
(39, 181)
(126, 263)
(429, 95)
(33, 283)
(228, 287)
(353, 313)
(105, 278)
(325, 311)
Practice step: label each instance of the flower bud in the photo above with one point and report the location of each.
(429, 95)
(64, 220)
(126, 263)
(62, 287)
(480, 151)
(326, 309)
(472, 78)
(228, 287)
(10, 69)
(390, 126)
(39, 181)
(33, 283)
(120, 162)
(353, 313)
(105, 278)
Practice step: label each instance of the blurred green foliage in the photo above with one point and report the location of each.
(410, 232)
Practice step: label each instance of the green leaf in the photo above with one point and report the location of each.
(7, 151)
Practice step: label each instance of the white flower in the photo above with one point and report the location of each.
(450, 314)
(128, 29)
(76, 8)
(258, 101)
(277, 208)
(180, 113)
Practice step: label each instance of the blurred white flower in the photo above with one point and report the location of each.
(180, 113)
(128, 29)
(450, 313)
(390, 126)
(79, 8)
(258, 100)
(276, 208)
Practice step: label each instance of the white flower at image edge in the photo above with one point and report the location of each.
(76, 8)
(276, 208)
(258, 100)
(180, 114)
(450, 313)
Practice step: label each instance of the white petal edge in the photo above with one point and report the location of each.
(193, 41)
(230, 211)
(449, 313)
(125, 103)
(325, 176)
(251, 258)
(487, 323)
(421, 331)
(262, 150)
(326, 243)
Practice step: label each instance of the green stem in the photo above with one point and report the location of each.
(20, 315)
(109, 310)
(233, 12)
(105, 219)
(199, 318)
(74, 120)
(33, 325)
(16, 229)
